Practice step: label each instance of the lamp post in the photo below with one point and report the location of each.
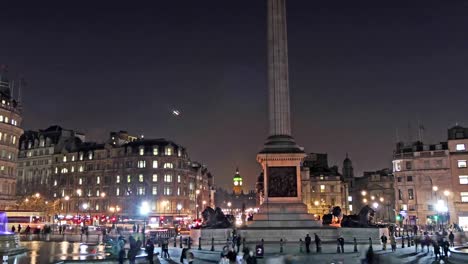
(197, 192)
(229, 204)
(144, 210)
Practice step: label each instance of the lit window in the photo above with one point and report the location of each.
(72, 168)
(117, 180)
(155, 190)
(56, 170)
(141, 164)
(14, 140)
(1, 118)
(404, 207)
(322, 188)
(350, 207)
(142, 151)
(80, 181)
(140, 178)
(155, 164)
(12, 121)
(168, 151)
(129, 178)
(167, 190)
(350, 198)
(462, 164)
(81, 156)
(155, 151)
(64, 158)
(178, 190)
(6, 119)
(464, 197)
(81, 168)
(178, 178)
(460, 147)
(167, 178)
(55, 182)
(73, 157)
(98, 180)
(117, 192)
(64, 170)
(179, 153)
(410, 194)
(463, 179)
(90, 155)
(168, 165)
(155, 177)
(97, 193)
(141, 191)
(97, 207)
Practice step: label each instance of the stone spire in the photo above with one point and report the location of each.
(280, 139)
(278, 76)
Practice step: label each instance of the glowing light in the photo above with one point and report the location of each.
(372, 197)
(175, 112)
(446, 193)
(364, 200)
(363, 193)
(67, 198)
(375, 205)
(85, 206)
(435, 188)
(144, 208)
(381, 199)
(38, 195)
(316, 203)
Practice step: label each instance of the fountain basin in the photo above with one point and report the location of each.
(459, 255)
(10, 244)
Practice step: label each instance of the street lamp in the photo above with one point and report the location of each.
(197, 192)
(363, 193)
(37, 195)
(229, 204)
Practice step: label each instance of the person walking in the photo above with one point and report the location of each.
(383, 238)
(436, 250)
(341, 241)
(183, 255)
(150, 251)
(251, 259)
(19, 228)
(451, 238)
(445, 247)
(393, 243)
(238, 242)
(132, 252)
(308, 240)
(13, 229)
(317, 243)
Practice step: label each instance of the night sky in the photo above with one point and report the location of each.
(359, 70)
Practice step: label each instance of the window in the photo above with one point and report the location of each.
(140, 178)
(460, 147)
(399, 179)
(141, 191)
(178, 178)
(168, 165)
(64, 170)
(155, 177)
(72, 168)
(155, 151)
(168, 151)
(463, 179)
(90, 155)
(141, 164)
(97, 193)
(142, 151)
(332, 189)
(178, 190)
(350, 207)
(55, 182)
(80, 181)
(408, 165)
(462, 164)
(56, 170)
(167, 190)
(404, 207)
(117, 192)
(400, 195)
(179, 153)
(155, 164)
(410, 194)
(73, 157)
(81, 156)
(155, 190)
(350, 198)
(64, 158)
(430, 207)
(409, 178)
(81, 168)
(13, 140)
(167, 178)
(322, 188)
(117, 180)
(98, 180)
(464, 197)
(129, 178)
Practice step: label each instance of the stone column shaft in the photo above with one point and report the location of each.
(278, 76)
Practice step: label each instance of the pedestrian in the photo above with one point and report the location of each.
(251, 259)
(383, 239)
(121, 255)
(134, 228)
(308, 240)
(341, 241)
(231, 255)
(393, 243)
(150, 251)
(183, 255)
(451, 238)
(445, 247)
(13, 229)
(238, 242)
(132, 252)
(19, 228)
(240, 258)
(318, 244)
(436, 250)
(166, 249)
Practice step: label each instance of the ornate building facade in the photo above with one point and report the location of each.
(10, 132)
(119, 176)
(323, 186)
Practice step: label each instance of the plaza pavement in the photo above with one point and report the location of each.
(329, 255)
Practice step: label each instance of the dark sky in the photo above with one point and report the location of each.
(359, 70)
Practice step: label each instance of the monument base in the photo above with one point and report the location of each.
(284, 215)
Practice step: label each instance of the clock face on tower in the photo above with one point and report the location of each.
(236, 183)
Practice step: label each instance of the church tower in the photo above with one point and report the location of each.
(237, 181)
(348, 171)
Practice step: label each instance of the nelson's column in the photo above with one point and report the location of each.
(281, 157)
